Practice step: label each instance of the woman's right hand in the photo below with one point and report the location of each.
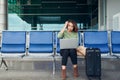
(65, 26)
(66, 23)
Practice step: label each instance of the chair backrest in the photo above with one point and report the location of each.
(13, 42)
(41, 42)
(79, 38)
(97, 39)
(115, 41)
(57, 44)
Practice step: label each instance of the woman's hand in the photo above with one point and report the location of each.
(66, 23)
(65, 26)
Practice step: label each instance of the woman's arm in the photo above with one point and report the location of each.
(60, 34)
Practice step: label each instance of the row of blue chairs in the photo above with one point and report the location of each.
(42, 43)
(16, 42)
(45, 42)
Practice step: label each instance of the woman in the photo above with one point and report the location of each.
(70, 30)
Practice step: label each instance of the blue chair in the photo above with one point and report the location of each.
(41, 42)
(41, 46)
(13, 42)
(115, 42)
(13, 45)
(97, 39)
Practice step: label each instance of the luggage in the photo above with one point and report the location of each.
(93, 63)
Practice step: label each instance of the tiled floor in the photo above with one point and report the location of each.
(42, 70)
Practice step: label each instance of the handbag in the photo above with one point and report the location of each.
(81, 51)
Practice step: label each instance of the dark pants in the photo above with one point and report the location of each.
(65, 53)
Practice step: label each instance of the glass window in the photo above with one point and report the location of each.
(51, 15)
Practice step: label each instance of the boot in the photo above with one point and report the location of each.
(75, 72)
(63, 74)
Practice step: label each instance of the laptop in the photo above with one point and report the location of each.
(68, 43)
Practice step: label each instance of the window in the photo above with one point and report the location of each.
(51, 15)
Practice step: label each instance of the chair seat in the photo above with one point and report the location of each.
(116, 49)
(40, 48)
(13, 49)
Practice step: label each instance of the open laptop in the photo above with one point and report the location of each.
(68, 43)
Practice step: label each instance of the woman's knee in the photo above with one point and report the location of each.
(64, 52)
(73, 52)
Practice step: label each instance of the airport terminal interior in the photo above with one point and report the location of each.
(46, 18)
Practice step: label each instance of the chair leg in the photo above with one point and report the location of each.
(54, 66)
(1, 63)
(4, 62)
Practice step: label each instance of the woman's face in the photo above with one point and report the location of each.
(70, 27)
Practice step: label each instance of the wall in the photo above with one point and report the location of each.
(102, 14)
(3, 14)
(113, 7)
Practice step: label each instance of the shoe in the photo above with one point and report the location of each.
(75, 72)
(63, 74)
